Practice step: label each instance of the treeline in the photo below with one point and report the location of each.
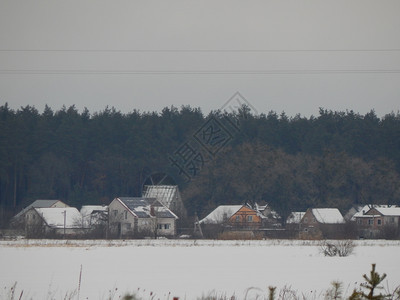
(335, 159)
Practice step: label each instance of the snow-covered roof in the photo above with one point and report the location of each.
(220, 214)
(40, 203)
(328, 215)
(161, 211)
(141, 207)
(389, 211)
(164, 193)
(366, 208)
(260, 207)
(94, 214)
(295, 217)
(265, 211)
(54, 217)
(86, 210)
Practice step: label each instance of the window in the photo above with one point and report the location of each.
(126, 215)
(305, 220)
(163, 226)
(370, 222)
(359, 221)
(115, 212)
(250, 218)
(379, 222)
(237, 218)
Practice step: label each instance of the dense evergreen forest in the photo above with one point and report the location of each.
(336, 159)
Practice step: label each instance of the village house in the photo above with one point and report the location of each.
(136, 216)
(168, 195)
(220, 215)
(53, 222)
(19, 219)
(319, 223)
(294, 219)
(231, 218)
(240, 218)
(378, 221)
(292, 224)
(93, 215)
(272, 218)
(246, 218)
(95, 219)
(237, 216)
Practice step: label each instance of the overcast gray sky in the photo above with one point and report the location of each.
(292, 56)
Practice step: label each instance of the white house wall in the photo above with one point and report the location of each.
(146, 225)
(166, 226)
(118, 213)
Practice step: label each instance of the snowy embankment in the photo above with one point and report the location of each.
(186, 268)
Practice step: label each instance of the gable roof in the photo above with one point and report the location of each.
(295, 217)
(87, 210)
(220, 214)
(260, 208)
(94, 214)
(328, 215)
(352, 211)
(38, 204)
(54, 217)
(142, 207)
(386, 209)
(266, 212)
(389, 211)
(166, 194)
(161, 211)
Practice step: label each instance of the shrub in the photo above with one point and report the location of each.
(337, 248)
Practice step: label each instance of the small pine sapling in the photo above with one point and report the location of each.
(371, 284)
(336, 292)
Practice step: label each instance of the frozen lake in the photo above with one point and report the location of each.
(187, 269)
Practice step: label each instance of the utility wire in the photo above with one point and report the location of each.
(201, 50)
(197, 72)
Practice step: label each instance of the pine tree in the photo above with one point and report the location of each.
(371, 284)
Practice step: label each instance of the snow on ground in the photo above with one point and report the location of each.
(187, 269)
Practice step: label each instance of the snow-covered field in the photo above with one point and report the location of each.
(49, 269)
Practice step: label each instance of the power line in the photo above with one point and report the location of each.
(196, 72)
(199, 50)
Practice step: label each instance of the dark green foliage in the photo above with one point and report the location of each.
(371, 285)
(335, 292)
(335, 159)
